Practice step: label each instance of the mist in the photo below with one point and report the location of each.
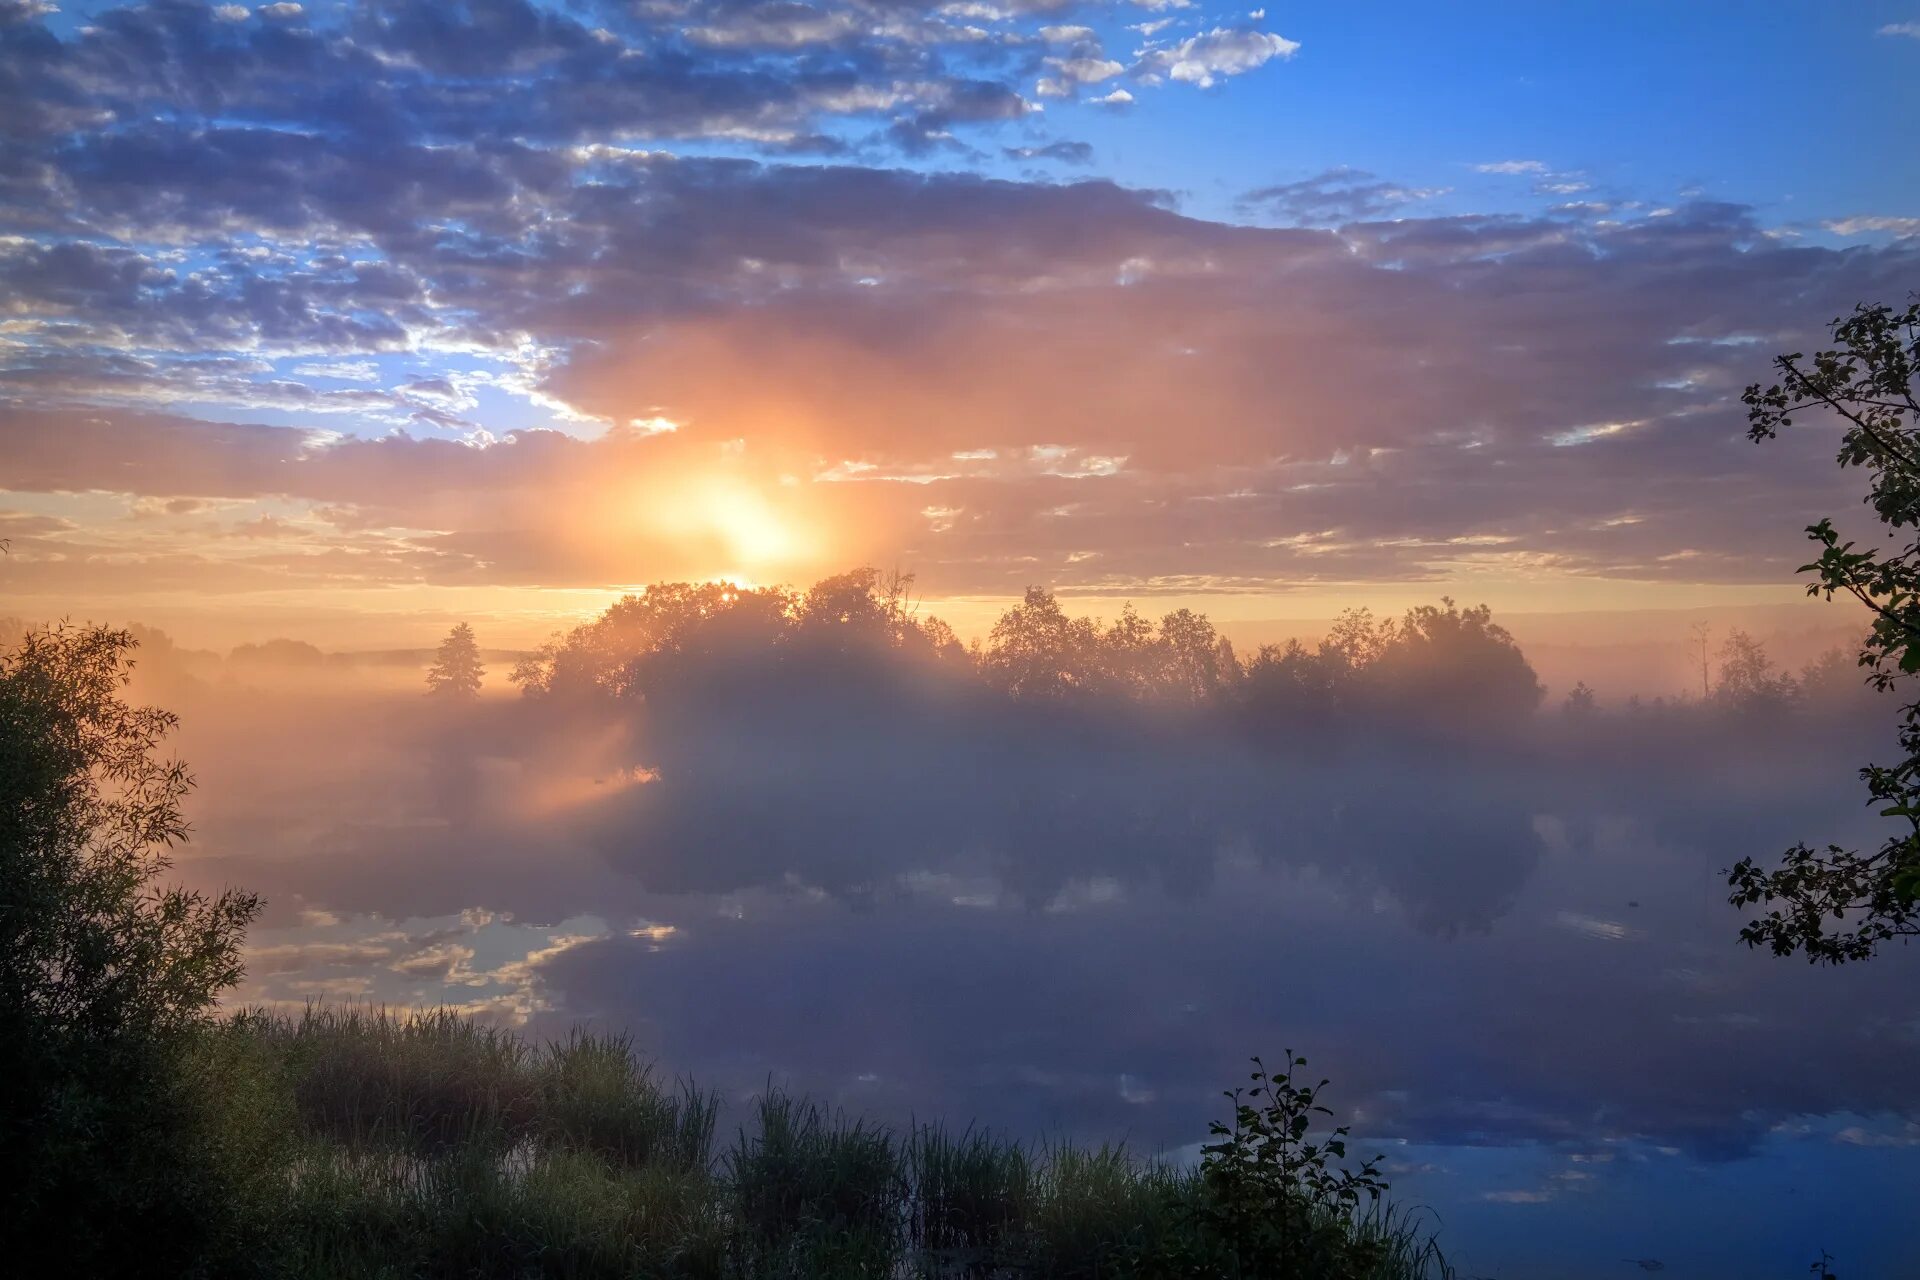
(1064, 884)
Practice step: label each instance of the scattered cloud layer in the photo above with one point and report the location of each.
(427, 331)
(1336, 196)
(1214, 406)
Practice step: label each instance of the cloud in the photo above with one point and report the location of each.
(1861, 225)
(1085, 70)
(406, 262)
(1203, 60)
(1201, 377)
(1336, 195)
(1063, 152)
(1909, 29)
(1511, 167)
(769, 73)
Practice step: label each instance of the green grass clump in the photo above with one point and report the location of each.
(971, 1199)
(813, 1190)
(595, 1095)
(362, 1143)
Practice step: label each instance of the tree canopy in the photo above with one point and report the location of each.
(456, 672)
(1836, 904)
(102, 969)
(1435, 666)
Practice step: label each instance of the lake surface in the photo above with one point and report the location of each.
(1514, 960)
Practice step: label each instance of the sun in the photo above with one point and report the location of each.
(752, 529)
(736, 520)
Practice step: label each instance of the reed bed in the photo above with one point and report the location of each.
(377, 1144)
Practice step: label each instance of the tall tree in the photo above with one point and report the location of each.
(1836, 904)
(103, 972)
(456, 670)
(1037, 653)
(1748, 680)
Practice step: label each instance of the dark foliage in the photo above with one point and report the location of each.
(1837, 905)
(104, 1150)
(456, 672)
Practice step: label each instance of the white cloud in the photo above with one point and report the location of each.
(1203, 59)
(1084, 70)
(1861, 225)
(1911, 30)
(787, 31)
(973, 10)
(1511, 166)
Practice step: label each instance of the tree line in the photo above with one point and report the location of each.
(1432, 661)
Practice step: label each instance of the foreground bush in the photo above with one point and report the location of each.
(363, 1143)
(107, 1153)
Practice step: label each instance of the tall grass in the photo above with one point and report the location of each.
(365, 1143)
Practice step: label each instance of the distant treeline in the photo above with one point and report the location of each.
(1439, 662)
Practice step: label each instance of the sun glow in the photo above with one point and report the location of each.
(740, 521)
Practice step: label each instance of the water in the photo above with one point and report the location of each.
(1517, 966)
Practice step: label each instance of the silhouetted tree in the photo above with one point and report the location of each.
(1358, 638)
(1131, 660)
(637, 645)
(1037, 653)
(102, 972)
(860, 603)
(1448, 665)
(456, 671)
(1748, 680)
(1580, 703)
(1840, 904)
(1290, 682)
(1699, 638)
(1197, 673)
(277, 653)
(676, 635)
(1833, 680)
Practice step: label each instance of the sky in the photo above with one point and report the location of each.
(347, 320)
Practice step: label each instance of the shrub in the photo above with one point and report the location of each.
(1274, 1201)
(104, 974)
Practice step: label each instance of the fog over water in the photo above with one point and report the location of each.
(1504, 936)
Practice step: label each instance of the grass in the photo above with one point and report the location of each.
(364, 1143)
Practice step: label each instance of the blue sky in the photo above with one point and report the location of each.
(1797, 108)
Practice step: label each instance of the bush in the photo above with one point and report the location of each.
(105, 1150)
(1274, 1203)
